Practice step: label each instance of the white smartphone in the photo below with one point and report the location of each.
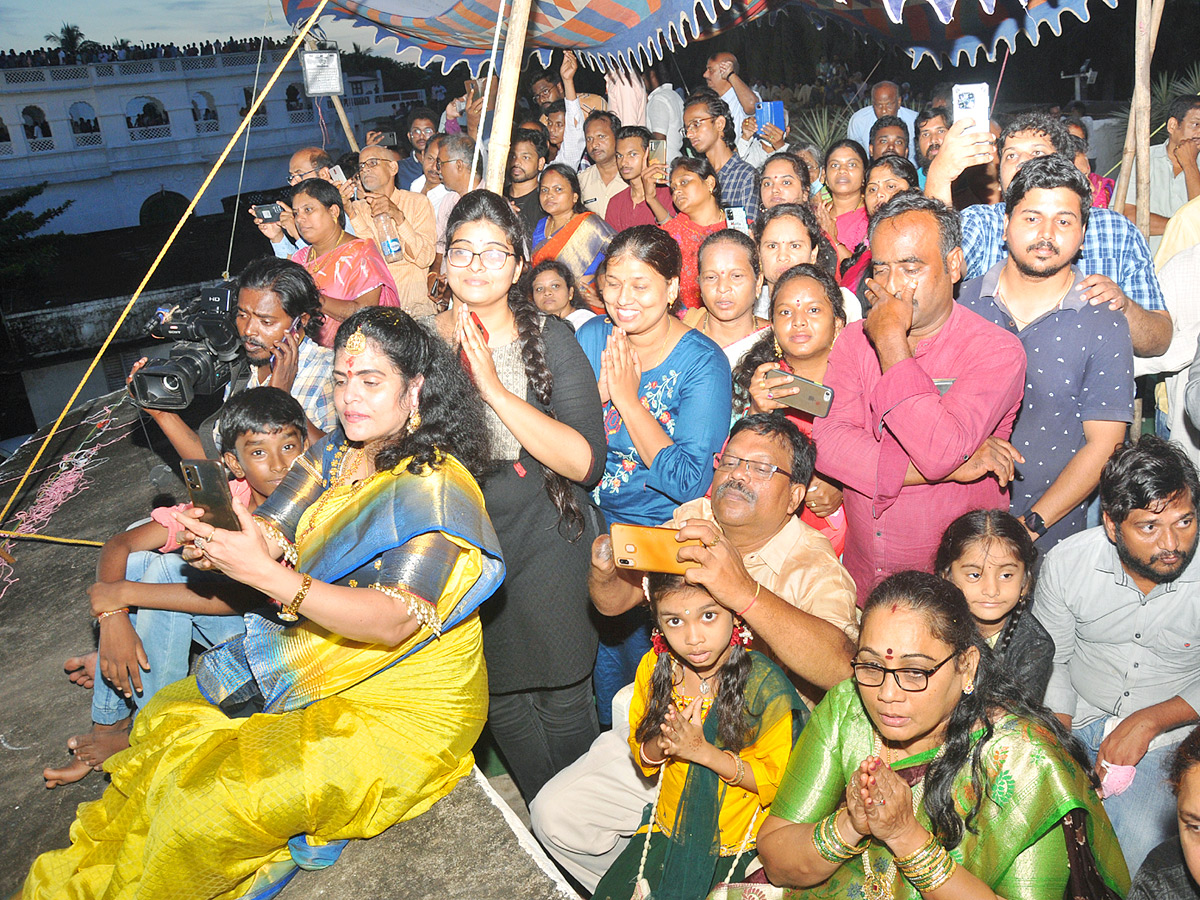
(735, 217)
(970, 101)
(336, 175)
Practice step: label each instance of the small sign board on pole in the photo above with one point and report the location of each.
(322, 72)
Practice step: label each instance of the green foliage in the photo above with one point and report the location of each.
(23, 254)
(820, 125)
(69, 37)
(1163, 89)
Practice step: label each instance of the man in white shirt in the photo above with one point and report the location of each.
(721, 74)
(664, 110)
(885, 101)
(1174, 170)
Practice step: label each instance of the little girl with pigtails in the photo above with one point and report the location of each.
(715, 722)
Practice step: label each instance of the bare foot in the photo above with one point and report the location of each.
(81, 670)
(75, 770)
(97, 745)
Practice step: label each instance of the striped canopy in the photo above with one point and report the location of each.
(604, 31)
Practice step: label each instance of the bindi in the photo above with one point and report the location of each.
(889, 653)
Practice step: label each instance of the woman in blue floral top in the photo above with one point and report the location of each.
(667, 395)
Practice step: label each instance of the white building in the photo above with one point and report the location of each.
(120, 138)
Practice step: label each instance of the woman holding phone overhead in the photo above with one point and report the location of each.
(546, 427)
(359, 689)
(666, 394)
(350, 272)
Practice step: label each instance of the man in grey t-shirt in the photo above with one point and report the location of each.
(1122, 603)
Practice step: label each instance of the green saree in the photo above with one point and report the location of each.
(1018, 847)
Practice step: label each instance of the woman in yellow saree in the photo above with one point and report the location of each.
(353, 701)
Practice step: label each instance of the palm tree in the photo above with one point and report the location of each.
(69, 37)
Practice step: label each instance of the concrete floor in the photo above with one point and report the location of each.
(470, 845)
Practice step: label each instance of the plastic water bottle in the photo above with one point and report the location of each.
(389, 240)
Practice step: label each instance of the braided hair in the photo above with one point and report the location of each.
(729, 703)
(989, 525)
(483, 205)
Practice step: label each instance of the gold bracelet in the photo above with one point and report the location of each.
(289, 613)
(739, 769)
(112, 612)
(419, 608)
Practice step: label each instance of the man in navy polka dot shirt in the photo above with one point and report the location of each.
(1079, 358)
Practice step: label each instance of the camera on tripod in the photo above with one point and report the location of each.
(200, 362)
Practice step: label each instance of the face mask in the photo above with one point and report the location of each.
(816, 187)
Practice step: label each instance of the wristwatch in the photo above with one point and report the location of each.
(1035, 523)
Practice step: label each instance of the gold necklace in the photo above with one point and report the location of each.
(878, 885)
(344, 463)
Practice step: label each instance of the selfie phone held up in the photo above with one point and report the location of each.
(769, 112)
(649, 549)
(462, 354)
(268, 212)
(208, 488)
(970, 101)
(336, 175)
(813, 398)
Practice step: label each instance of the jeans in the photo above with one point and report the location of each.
(1144, 815)
(542, 732)
(624, 640)
(166, 635)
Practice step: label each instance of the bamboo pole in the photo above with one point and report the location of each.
(506, 103)
(341, 113)
(1127, 154)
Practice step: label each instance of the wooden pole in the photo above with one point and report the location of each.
(341, 113)
(1127, 155)
(506, 103)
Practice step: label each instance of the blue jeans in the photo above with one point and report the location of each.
(166, 635)
(624, 640)
(1144, 815)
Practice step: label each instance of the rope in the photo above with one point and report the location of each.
(254, 107)
(996, 93)
(237, 202)
(487, 90)
(22, 536)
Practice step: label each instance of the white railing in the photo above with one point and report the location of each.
(300, 116)
(24, 76)
(239, 59)
(69, 73)
(208, 126)
(136, 67)
(150, 133)
(167, 65)
(195, 63)
(6, 148)
(105, 70)
(93, 139)
(41, 145)
(259, 120)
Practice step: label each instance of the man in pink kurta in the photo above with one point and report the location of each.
(925, 393)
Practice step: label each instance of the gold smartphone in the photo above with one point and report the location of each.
(208, 488)
(650, 549)
(813, 398)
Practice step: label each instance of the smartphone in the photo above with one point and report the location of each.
(389, 139)
(657, 152)
(292, 330)
(970, 101)
(208, 487)
(336, 175)
(735, 218)
(769, 112)
(813, 398)
(268, 212)
(649, 549)
(462, 354)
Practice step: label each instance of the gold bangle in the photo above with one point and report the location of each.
(289, 613)
(739, 769)
(112, 612)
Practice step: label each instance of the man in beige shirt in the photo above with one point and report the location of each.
(757, 559)
(602, 181)
(413, 218)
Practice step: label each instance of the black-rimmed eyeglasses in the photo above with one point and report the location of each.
(908, 679)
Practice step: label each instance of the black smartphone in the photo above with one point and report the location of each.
(268, 212)
(208, 488)
(813, 398)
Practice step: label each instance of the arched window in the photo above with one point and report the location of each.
(260, 117)
(37, 129)
(147, 119)
(162, 207)
(204, 112)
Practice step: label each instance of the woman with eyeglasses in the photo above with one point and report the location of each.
(570, 233)
(666, 391)
(547, 434)
(928, 774)
(350, 272)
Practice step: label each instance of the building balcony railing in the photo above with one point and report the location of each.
(300, 116)
(6, 148)
(136, 67)
(150, 133)
(207, 126)
(41, 145)
(92, 139)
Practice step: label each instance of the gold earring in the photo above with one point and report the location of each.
(970, 688)
(778, 349)
(414, 422)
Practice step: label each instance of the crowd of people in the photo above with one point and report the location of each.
(776, 507)
(93, 52)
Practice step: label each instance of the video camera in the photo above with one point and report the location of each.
(201, 360)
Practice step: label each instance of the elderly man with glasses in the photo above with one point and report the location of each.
(307, 162)
(411, 220)
(757, 559)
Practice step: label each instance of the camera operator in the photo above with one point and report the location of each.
(278, 314)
